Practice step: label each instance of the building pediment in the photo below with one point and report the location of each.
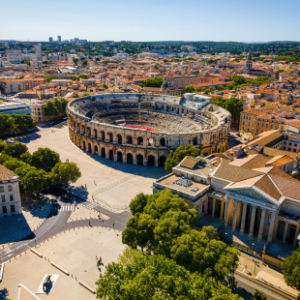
(252, 195)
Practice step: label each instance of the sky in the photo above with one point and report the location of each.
(155, 20)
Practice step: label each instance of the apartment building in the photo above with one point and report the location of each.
(9, 193)
(14, 56)
(20, 85)
(256, 121)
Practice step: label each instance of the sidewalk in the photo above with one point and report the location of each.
(15, 228)
(259, 271)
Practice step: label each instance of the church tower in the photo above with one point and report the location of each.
(249, 61)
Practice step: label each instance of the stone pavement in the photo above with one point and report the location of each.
(74, 251)
(108, 181)
(81, 212)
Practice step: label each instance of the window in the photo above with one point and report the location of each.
(262, 131)
(272, 126)
(4, 209)
(262, 125)
(1, 189)
(12, 208)
(295, 145)
(290, 144)
(9, 188)
(257, 124)
(11, 197)
(3, 198)
(276, 127)
(267, 125)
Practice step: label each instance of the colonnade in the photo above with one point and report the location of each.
(252, 219)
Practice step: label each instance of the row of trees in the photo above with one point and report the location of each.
(152, 82)
(238, 82)
(55, 107)
(37, 171)
(10, 124)
(186, 263)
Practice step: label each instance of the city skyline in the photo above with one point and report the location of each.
(167, 21)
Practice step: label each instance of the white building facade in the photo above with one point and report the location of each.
(10, 199)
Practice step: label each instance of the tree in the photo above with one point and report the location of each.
(259, 295)
(44, 158)
(105, 86)
(75, 60)
(201, 251)
(157, 278)
(277, 73)
(2, 145)
(33, 180)
(83, 76)
(50, 109)
(179, 154)
(291, 270)
(157, 220)
(189, 89)
(138, 203)
(15, 150)
(152, 82)
(66, 172)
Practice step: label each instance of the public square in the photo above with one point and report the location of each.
(109, 182)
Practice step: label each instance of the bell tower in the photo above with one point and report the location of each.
(249, 61)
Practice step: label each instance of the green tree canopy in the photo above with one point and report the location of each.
(10, 124)
(15, 150)
(278, 72)
(2, 145)
(152, 82)
(65, 172)
(55, 107)
(44, 158)
(291, 270)
(157, 278)
(175, 157)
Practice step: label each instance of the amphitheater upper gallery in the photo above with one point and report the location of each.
(142, 128)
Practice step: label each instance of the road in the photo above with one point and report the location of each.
(58, 222)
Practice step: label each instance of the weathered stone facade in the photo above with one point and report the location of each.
(91, 128)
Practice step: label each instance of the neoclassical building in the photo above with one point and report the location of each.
(142, 128)
(250, 195)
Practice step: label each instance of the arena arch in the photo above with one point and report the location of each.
(119, 156)
(129, 139)
(140, 140)
(111, 154)
(103, 152)
(161, 161)
(119, 139)
(129, 158)
(140, 160)
(151, 161)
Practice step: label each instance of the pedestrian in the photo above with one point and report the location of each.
(114, 225)
(89, 223)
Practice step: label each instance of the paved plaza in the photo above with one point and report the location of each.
(75, 251)
(107, 181)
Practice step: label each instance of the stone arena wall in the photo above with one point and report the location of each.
(141, 146)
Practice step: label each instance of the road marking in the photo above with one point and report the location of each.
(91, 205)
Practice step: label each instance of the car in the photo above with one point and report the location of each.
(51, 123)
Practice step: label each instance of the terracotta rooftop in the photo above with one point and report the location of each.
(6, 174)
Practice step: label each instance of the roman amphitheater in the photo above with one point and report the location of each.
(142, 128)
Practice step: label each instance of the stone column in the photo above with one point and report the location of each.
(206, 205)
(252, 220)
(285, 231)
(271, 228)
(243, 218)
(296, 235)
(234, 214)
(214, 207)
(261, 224)
(222, 210)
(226, 211)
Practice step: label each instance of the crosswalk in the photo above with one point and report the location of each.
(91, 205)
(63, 208)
